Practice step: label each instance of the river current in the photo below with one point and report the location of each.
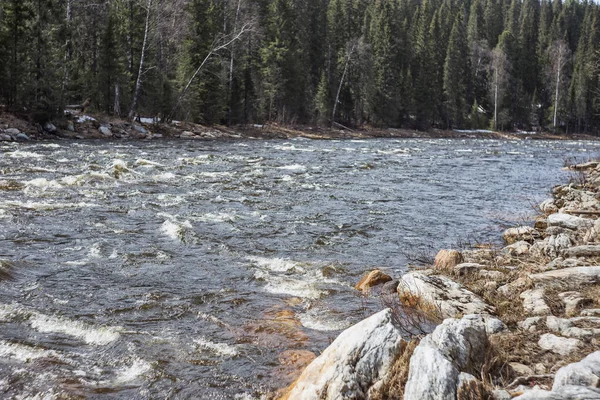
(175, 269)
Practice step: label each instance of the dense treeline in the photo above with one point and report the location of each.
(505, 64)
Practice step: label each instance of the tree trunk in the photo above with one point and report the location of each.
(557, 91)
(337, 96)
(138, 83)
(117, 104)
(496, 102)
(65, 81)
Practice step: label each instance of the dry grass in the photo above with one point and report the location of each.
(393, 385)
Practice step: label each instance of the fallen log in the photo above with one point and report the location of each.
(80, 107)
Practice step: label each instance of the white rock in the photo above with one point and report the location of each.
(548, 207)
(530, 324)
(521, 233)
(556, 244)
(49, 127)
(534, 303)
(491, 275)
(583, 251)
(450, 297)
(569, 277)
(569, 221)
(140, 129)
(438, 360)
(12, 131)
(105, 130)
(573, 301)
(592, 312)
(494, 325)
(563, 393)
(518, 248)
(559, 345)
(467, 268)
(355, 361)
(583, 373)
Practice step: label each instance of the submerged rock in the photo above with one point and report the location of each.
(442, 294)
(438, 362)
(361, 356)
(373, 278)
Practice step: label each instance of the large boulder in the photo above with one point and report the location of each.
(583, 373)
(360, 357)
(441, 294)
(436, 365)
(446, 260)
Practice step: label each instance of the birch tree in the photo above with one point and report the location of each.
(559, 57)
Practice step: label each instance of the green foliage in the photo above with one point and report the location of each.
(397, 63)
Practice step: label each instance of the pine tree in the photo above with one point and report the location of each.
(456, 74)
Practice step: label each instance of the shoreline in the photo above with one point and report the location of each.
(520, 321)
(78, 126)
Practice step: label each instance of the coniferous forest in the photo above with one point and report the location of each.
(470, 64)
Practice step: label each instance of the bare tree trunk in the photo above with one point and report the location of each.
(212, 51)
(117, 104)
(496, 102)
(231, 62)
(337, 96)
(557, 90)
(138, 83)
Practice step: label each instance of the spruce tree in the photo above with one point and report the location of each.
(456, 74)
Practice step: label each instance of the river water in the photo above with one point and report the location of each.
(175, 269)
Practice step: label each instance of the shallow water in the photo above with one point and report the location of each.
(180, 269)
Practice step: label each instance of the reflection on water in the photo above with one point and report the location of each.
(185, 270)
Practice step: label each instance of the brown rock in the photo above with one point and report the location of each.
(447, 260)
(373, 278)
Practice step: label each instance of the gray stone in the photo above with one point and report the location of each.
(105, 130)
(556, 244)
(534, 303)
(517, 249)
(140, 129)
(594, 312)
(437, 362)
(70, 126)
(573, 301)
(21, 137)
(569, 277)
(559, 345)
(451, 298)
(520, 369)
(5, 137)
(12, 131)
(530, 324)
(569, 221)
(493, 325)
(467, 268)
(583, 373)
(390, 287)
(49, 127)
(491, 275)
(583, 251)
(361, 356)
(501, 394)
(563, 393)
(548, 207)
(521, 233)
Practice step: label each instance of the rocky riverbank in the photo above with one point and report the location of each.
(522, 321)
(78, 125)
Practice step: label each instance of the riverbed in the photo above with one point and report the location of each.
(174, 269)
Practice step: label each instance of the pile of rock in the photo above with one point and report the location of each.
(519, 322)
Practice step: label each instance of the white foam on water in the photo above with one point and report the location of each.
(147, 163)
(131, 373)
(166, 177)
(218, 217)
(91, 335)
(276, 264)
(174, 229)
(54, 324)
(43, 183)
(293, 167)
(78, 180)
(24, 353)
(288, 147)
(23, 154)
(221, 349)
(215, 174)
(38, 206)
(302, 286)
(321, 320)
